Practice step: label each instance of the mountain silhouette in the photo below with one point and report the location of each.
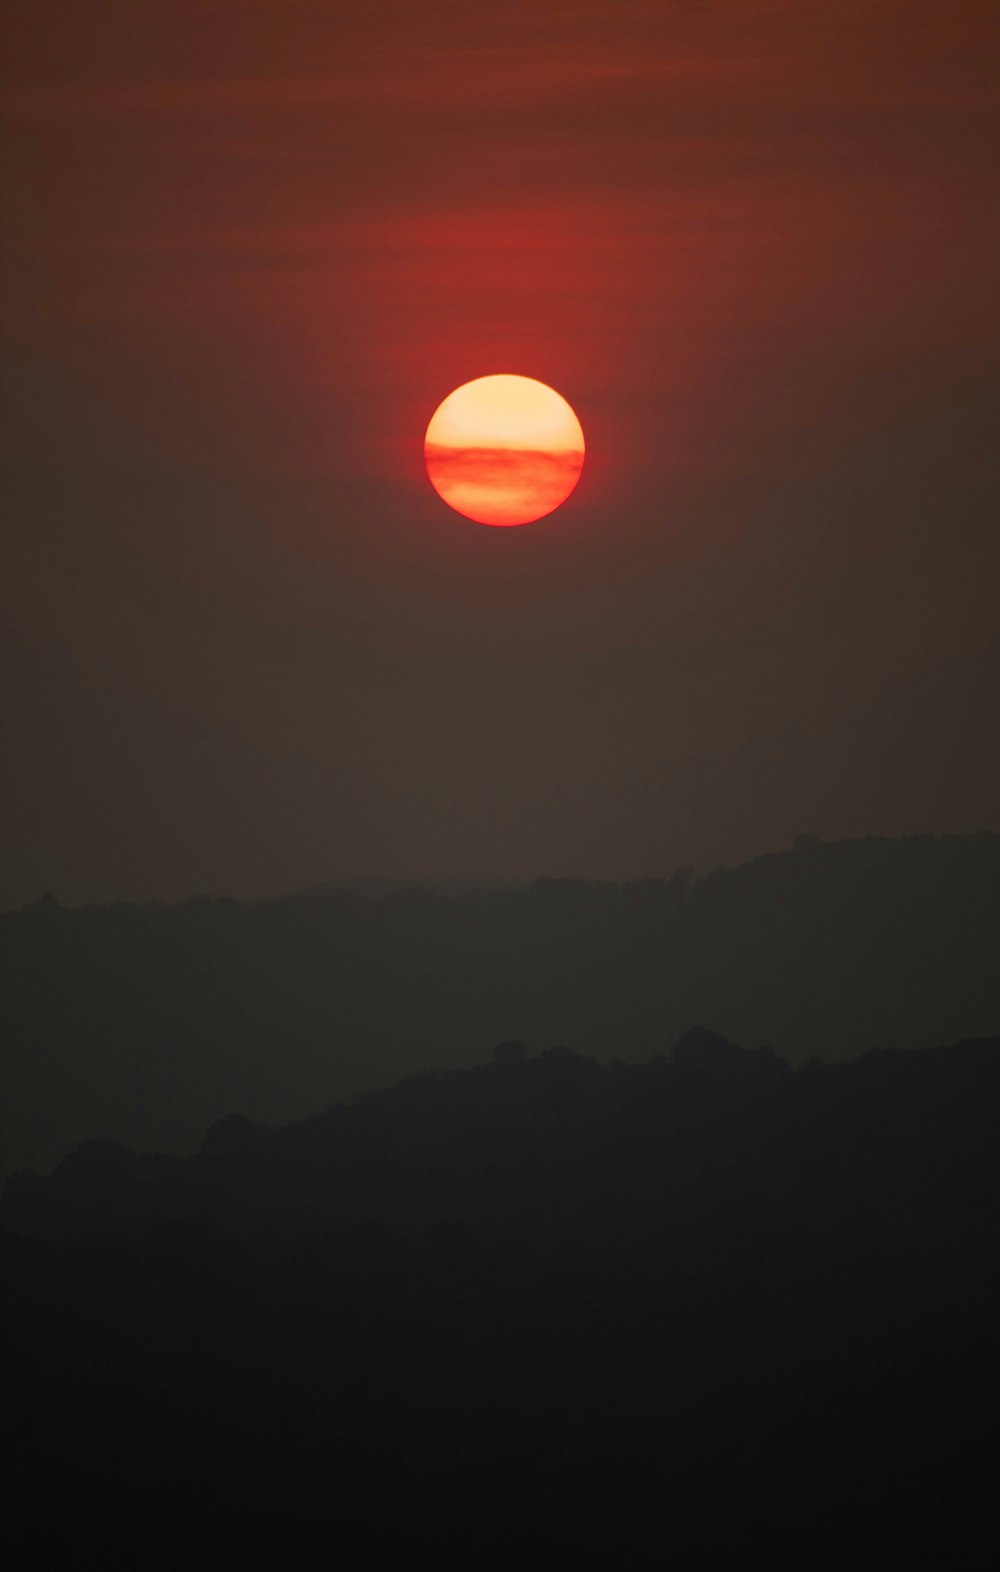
(542, 1302)
(145, 1024)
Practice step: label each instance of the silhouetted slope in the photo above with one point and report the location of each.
(705, 1308)
(561, 1145)
(144, 1024)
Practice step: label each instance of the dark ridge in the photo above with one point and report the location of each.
(144, 1024)
(550, 1144)
(543, 1302)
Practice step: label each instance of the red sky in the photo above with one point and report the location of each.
(252, 243)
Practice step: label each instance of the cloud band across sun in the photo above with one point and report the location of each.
(504, 450)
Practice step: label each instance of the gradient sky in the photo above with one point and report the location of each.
(252, 244)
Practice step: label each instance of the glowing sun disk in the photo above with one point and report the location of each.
(504, 450)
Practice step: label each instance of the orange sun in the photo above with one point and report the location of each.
(504, 450)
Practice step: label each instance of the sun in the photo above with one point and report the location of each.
(504, 450)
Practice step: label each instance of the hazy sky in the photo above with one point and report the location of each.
(253, 243)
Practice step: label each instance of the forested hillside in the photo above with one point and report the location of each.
(145, 1024)
(542, 1301)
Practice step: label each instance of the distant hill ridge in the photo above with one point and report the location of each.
(600, 1289)
(145, 1024)
(561, 1145)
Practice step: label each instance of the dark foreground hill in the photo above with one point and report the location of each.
(706, 1309)
(146, 1024)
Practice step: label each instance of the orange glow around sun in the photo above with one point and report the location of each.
(504, 450)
